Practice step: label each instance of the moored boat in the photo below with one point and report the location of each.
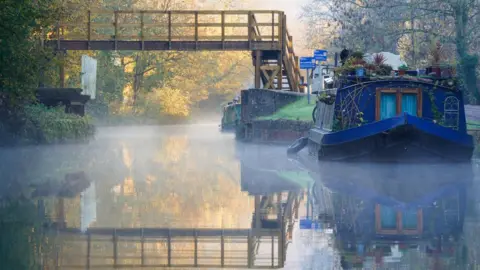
(231, 116)
(391, 119)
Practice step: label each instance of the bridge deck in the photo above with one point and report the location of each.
(262, 32)
(171, 30)
(131, 248)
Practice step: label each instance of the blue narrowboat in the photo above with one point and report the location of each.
(391, 119)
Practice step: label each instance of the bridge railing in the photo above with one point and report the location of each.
(259, 30)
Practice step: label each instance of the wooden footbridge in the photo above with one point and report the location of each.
(264, 245)
(264, 33)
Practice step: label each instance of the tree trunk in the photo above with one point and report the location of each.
(467, 63)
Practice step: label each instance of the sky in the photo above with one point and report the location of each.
(293, 10)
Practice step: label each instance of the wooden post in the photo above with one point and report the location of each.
(116, 29)
(58, 36)
(273, 251)
(169, 248)
(257, 213)
(169, 30)
(222, 249)
(143, 248)
(195, 249)
(258, 55)
(196, 30)
(89, 241)
(142, 13)
(280, 71)
(273, 27)
(89, 28)
(250, 250)
(279, 208)
(223, 30)
(115, 251)
(61, 69)
(281, 247)
(250, 29)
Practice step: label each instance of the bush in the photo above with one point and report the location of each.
(53, 125)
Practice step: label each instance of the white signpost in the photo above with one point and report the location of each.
(89, 76)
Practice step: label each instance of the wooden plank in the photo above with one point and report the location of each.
(152, 45)
(185, 12)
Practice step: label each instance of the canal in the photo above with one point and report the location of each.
(190, 196)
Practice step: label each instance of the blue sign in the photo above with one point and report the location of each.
(308, 224)
(307, 63)
(320, 55)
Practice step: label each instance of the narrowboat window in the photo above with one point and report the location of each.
(409, 104)
(392, 102)
(388, 217)
(388, 106)
(388, 220)
(409, 220)
(451, 112)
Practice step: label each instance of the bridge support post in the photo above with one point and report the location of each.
(258, 63)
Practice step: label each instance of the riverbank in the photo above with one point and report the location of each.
(37, 124)
(275, 117)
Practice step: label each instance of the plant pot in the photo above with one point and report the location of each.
(401, 72)
(437, 70)
(360, 72)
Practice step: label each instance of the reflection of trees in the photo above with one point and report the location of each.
(172, 182)
(21, 241)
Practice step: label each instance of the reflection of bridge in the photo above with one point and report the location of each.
(262, 32)
(262, 246)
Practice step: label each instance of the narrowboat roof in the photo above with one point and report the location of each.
(446, 83)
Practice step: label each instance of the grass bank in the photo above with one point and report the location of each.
(299, 111)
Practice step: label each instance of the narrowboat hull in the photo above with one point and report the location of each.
(404, 138)
(231, 118)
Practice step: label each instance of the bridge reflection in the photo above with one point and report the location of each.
(263, 245)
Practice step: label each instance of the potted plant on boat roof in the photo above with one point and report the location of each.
(379, 59)
(402, 69)
(359, 65)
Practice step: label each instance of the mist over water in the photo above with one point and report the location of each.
(194, 176)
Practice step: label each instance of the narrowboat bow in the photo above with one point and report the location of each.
(391, 120)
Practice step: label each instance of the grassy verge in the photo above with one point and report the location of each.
(53, 125)
(473, 124)
(299, 110)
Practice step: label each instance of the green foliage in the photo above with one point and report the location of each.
(52, 125)
(20, 53)
(357, 55)
(299, 110)
(403, 67)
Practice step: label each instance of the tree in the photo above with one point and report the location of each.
(409, 25)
